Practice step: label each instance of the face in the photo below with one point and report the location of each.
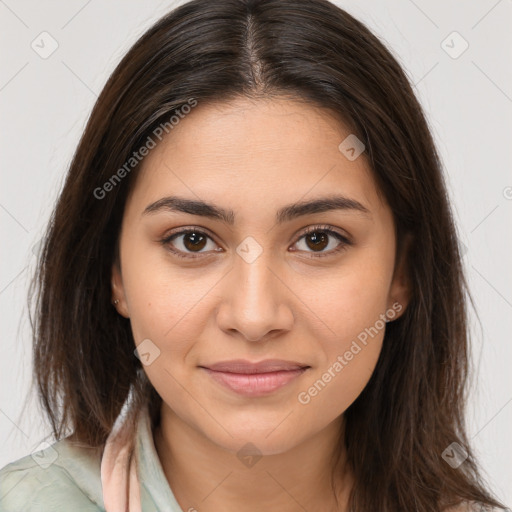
(253, 277)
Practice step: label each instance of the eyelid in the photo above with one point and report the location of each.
(188, 229)
(344, 239)
(326, 228)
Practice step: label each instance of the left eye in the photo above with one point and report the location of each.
(322, 241)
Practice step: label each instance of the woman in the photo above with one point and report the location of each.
(250, 295)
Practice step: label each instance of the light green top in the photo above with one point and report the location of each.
(65, 476)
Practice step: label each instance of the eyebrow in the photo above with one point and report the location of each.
(284, 214)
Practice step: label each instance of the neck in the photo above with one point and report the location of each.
(206, 477)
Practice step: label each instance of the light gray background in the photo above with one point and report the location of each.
(45, 103)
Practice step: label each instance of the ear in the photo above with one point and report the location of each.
(400, 289)
(118, 291)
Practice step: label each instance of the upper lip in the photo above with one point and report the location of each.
(244, 366)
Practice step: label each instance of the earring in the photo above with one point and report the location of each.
(115, 302)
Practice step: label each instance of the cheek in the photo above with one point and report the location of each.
(166, 303)
(333, 388)
(351, 305)
(350, 300)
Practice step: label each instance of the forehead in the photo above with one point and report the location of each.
(255, 151)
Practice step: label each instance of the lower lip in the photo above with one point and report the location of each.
(255, 384)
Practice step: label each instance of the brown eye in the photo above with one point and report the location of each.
(320, 241)
(189, 241)
(194, 241)
(317, 240)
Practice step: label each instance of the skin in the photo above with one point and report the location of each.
(254, 157)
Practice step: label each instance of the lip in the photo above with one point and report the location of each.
(255, 379)
(247, 367)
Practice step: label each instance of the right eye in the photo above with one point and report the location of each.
(188, 243)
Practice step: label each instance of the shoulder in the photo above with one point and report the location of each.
(61, 476)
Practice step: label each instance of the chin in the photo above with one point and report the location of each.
(264, 440)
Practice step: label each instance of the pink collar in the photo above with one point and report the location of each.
(119, 470)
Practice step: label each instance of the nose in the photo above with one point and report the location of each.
(256, 304)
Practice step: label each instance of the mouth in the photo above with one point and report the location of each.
(255, 379)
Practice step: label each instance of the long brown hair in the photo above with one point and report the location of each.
(215, 50)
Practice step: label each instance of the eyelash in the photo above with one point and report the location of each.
(344, 241)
